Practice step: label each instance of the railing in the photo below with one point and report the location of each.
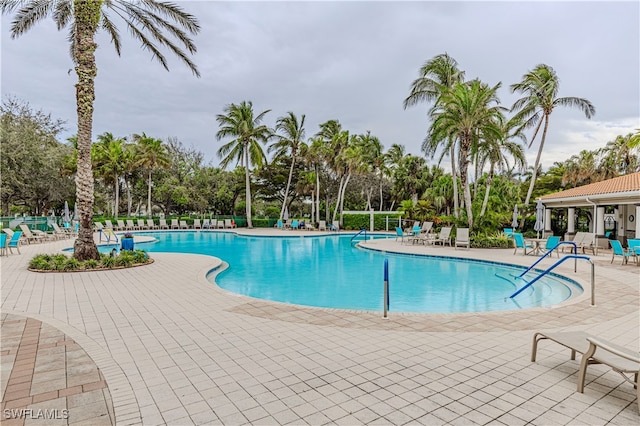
(362, 231)
(575, 251)
(546, 271)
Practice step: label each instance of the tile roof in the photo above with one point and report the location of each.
(626, 183)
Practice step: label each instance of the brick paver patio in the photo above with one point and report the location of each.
(161, 345)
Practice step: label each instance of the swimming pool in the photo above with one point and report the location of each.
(328, 271)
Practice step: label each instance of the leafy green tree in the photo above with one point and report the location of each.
(436, 78)
(244, 127)
(540, 88)
(467, 113)
(288, 142)
(146, 22)
(108, 163)
(150, 155)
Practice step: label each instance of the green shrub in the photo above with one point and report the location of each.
(108, 261)
(41, 262)
(72, 264)
(126, 258)
(91, 264)
(497, 240)
(140, 256)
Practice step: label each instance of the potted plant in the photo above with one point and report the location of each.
(127, 241)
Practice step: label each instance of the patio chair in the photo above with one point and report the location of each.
(130, 225)
(294, 224)
(426, 227)
(151, 224)
(322, 225)
(619, 251)
(400, 234)
(142, 225)
(121, 225)
(97, 226)
(59, 233)
(14, 243)
(3, 244)
(552, 242)
(595, 351)
(508, 232)
(588, 242)
(335, 226)
(228, 224)
(30, 236)
(109, 225)
(279, 224)
(197, 224)
(520, 243)
(634, 248)
(309, 226)
(183, 224)
(175, 224)
(162, 224)
(462, 238)
(444, 237)
(206, 224)
(220, 224)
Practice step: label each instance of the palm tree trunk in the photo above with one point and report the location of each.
(537, 163)
(335, 210)
(149, 197)
(87, 17)
(454, 176)
(381, 203)
(485, 201)
(248, 188)
(344, 190)
(464, 171)
(117, 201)
(318, 195)
(286, 192)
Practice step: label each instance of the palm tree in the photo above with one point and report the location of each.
(109, 153)
(437, 77)
(540, 89)
(241, 124)
(468, 113)
(293, 134)
(146, 22)
(150, 155)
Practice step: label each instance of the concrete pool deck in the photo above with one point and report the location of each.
(159, 344)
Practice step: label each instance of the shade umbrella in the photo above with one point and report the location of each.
(286, 213)
(514, 222)
(65, 217)
(75, 212)
(539, 225)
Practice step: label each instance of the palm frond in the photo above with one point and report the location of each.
(28, 15)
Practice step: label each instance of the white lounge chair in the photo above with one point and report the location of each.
(142, 225)
(29, 235)
(183, 224)
(175, 224)
(595, 351)
(227, 223)
(163, 224)
(196, 224)
(220, 224)
(109, 225)
(426, 227)
(131, 225)
(151, 224)
(444, 237)
(206, 223)
(121, 225)
(462, 238)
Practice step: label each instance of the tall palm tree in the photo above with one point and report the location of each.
(150, 155)
(244, 127)
(109, 153)
(540, 88)
(468, 113)
(289, 142)
(437, 77)
(153, 23)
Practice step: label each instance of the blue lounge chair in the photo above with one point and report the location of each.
(552, 242)
(294, 224)
(15, 242)
(279, 224)
(634, 248)
(3, 244)
(399, 234)
(508, 232)
(619, 251)
(520, 243)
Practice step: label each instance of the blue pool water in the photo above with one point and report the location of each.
(328, 271)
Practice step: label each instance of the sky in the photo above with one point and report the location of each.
(353, 61)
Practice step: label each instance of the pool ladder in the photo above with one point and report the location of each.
(574, 256)
(362, 231)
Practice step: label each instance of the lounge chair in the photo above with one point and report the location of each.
(228, 223)
(175, 224)
(462, 238)
(619, 251)
(400, 234)
(14, 243)
(3, 244)
(322, 225)
(121, 225)
(444, 237)
(206, 224)
(520, 243)
(595, 351)
(109, 225)
(131, 225)
(426, 227)
(294, 224)
(197, 224)
(97, 226)
(162, 224)
(309, 226)
(183, 224)
(142, 225)
(151, 224)
(30, 236)
(634, 248)
(551, 244)
(508, 232)
(279, 224)
(220, 224)
(59, 233)
(335, 226)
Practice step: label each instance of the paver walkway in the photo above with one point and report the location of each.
(175, 349)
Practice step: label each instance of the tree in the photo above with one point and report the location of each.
(468, 113)
(437, 77)
(289, 141)
(151, 155)
(247, 133)
(540, 88)
(109, 163)
(146, 22)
